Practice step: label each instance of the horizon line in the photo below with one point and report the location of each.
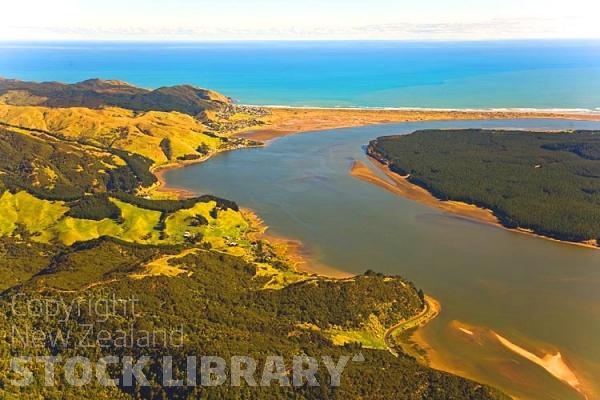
(267, 40)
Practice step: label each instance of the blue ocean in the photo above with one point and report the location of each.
(499, 74)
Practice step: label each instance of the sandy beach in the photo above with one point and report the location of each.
(285, 121)
(551, 360)
(401, 186)
(404, 188)
(554, 364)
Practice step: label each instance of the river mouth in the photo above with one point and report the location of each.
(540, 295)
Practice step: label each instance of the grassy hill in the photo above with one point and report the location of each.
(73, 227)
(96, 93)
(144, 134)
(547, 182)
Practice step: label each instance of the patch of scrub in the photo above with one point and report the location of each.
(371, 335)
(162, 267)
(278, 278)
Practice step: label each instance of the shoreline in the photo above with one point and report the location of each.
(291, 250)
(401, 186)
(161, 186)
(286, 120)
(431, 310)
(467, 109)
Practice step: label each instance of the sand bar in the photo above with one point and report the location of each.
(401, 186)
(285, 121)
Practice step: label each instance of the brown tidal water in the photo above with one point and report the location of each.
(540, 295)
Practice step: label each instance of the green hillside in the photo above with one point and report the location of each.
(224, 311)
(80, 222)
(96, 93)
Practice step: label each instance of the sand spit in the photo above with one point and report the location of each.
(553, 363)
(285, 121)
(401, 186)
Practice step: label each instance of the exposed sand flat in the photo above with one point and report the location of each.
(554, 364)
(401, 186)
(466, 331)
(285, 121)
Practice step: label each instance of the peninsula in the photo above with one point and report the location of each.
(545, 183)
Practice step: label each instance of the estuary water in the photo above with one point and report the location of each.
(541, 295)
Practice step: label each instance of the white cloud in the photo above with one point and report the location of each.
(574, 27)
(306, 19)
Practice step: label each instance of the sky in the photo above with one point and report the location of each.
(197, 20)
